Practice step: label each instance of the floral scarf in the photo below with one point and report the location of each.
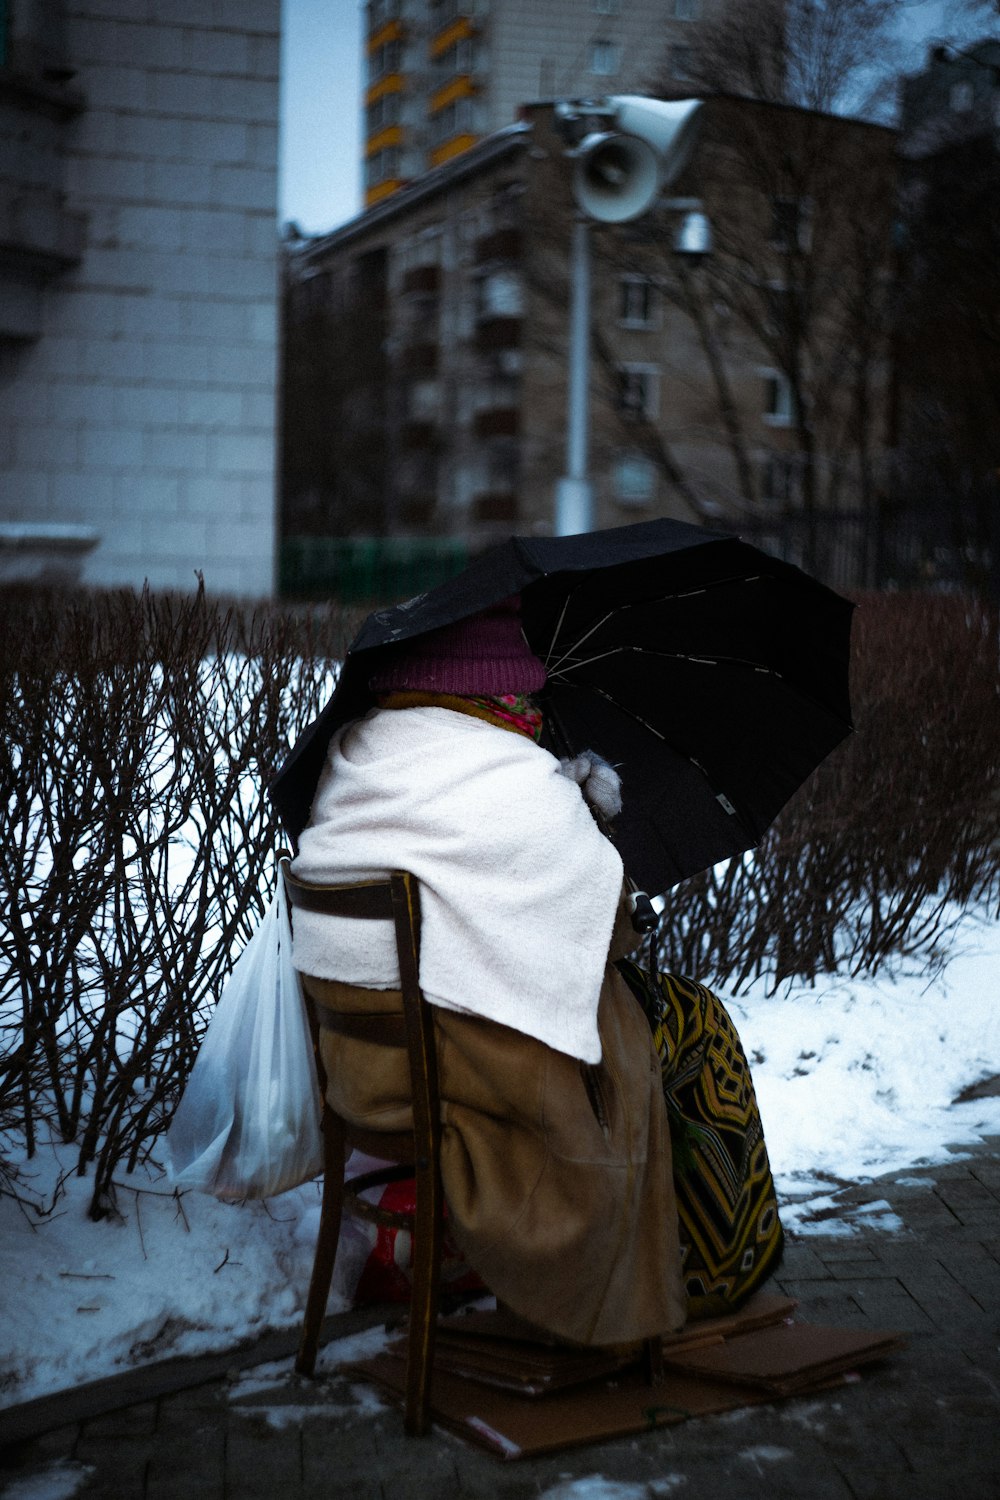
(513, 711)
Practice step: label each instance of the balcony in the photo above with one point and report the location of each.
(497, 421)
(37, 230)
(40, 236)
(419, 359)
(44, 552)
(499, 244)
(494, 333)
(416, 510)
(421, 279)
(420, 435)
(495, 506)
(454, 23)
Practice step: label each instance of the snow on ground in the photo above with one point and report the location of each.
(57, 1481)
(83, 1300)
(855, 1078)
(596, 1487)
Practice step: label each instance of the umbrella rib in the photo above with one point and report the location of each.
(559, 625)
(803, 694)
(637, 604)
(702, 661)
(579, 642)
(724, 801)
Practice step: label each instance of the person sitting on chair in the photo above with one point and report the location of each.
(556, 1154)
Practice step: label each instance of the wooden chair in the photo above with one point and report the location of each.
(418, 1151)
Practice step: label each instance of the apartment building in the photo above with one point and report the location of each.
(948, 362)
(735, 390)
(442, 74)
(138, 292)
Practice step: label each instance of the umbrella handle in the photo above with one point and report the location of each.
(642, 912)
(640, 909)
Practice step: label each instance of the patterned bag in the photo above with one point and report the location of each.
(731, 1236)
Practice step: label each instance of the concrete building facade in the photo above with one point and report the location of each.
(138, 291)
(442, 74)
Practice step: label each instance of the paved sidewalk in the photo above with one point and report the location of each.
(925, 1426)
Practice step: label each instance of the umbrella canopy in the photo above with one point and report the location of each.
(713, 676)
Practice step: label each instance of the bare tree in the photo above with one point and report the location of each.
(334, 389)
(787, 320)
(825, 55)
(948, 342)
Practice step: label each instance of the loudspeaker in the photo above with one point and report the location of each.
(615, 177)
(618, 173)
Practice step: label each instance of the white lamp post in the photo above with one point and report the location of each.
(618, 172)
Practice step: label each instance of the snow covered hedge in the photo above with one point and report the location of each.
(136, 847)
(898, 829)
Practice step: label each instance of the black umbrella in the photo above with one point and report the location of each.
(713, 676)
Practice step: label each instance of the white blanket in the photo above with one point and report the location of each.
(518, 886)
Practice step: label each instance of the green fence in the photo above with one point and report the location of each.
(356, 570)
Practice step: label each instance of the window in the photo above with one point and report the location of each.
(500, 295)
(380, 11)
(420, 249)
(502, 464)
(385, 110)
(443, 11)
(459, 117)
(385, 59)
(639, 392)
(461, 57)
(635, 302)
(791, 227)
(779, 480)
(686, 10)
(506, 204)
(604, 57)
(633, 479)
(778, 402)
(682, 62)
(496, 391)
(382, 166)
(471, 224)
(423, 401)
(780, 306)
(961, 97)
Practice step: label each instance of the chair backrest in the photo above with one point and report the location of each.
(395, 898)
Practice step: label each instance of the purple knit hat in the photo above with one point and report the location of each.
(483, 656)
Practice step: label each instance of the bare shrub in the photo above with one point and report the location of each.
(136, 846)
(898, 829)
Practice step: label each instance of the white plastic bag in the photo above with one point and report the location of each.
(248, 1124)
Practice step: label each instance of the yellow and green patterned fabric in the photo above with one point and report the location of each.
(731, 1236)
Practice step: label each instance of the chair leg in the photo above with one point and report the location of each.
(652, 1360)
(326, 1241)
(427, 1234)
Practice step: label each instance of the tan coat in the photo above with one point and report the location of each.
(557, 1175)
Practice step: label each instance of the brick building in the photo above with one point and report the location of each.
(755, 400)
(138, 291)
(946, 495)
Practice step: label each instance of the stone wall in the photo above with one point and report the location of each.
(143, 404)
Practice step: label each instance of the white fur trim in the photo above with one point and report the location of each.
(598, 780)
